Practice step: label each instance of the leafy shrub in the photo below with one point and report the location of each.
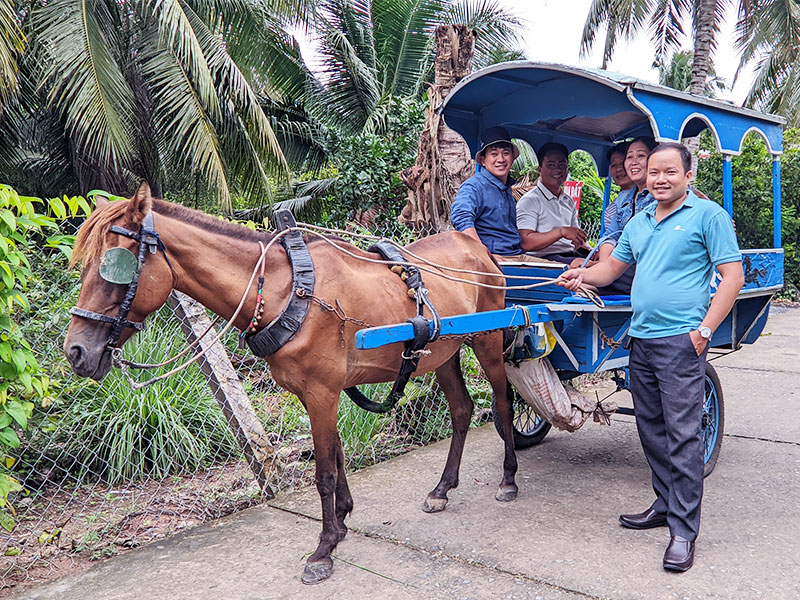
(22, 224)
(752, 194)
(582, 168)
(368, 166)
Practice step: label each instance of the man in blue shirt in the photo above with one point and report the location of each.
(675, 242)
(484, 207)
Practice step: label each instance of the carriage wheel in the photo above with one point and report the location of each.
(713, 423)
(529, 428)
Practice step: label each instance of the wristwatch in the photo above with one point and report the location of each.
(705, 332)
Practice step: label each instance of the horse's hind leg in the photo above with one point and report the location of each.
(321, 409)
(489, 351)
(452, 383)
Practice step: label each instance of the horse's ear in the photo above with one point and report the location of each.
(101, 202)
(141, 203)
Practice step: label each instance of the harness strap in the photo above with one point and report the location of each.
(425, 332)
(274, 336)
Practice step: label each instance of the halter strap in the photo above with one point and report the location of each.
(148, 239)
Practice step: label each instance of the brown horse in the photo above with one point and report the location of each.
(212, 261)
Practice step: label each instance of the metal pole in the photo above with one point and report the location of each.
(776, 201)
(606, 199)
(727, 184)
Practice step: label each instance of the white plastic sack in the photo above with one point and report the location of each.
(560, 404)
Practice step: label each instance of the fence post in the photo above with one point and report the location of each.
(227, 389)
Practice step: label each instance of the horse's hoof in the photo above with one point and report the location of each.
(506, 494)
(432, 505)
(316, 572)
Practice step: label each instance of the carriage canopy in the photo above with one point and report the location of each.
(590, 109)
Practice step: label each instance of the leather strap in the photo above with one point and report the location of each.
(274, 336)
(423, 334)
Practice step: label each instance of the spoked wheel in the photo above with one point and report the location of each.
(529, 428)
(713, 423)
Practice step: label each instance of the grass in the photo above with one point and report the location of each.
(174, 426)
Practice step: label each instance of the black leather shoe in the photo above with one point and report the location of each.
(644, 520)
(679, 555)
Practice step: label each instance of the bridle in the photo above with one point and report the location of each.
(148, 239)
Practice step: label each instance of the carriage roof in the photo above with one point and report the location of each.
(590, 109)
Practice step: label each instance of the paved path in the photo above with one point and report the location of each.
(478, 548)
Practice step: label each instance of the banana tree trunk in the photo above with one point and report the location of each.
(443, 158)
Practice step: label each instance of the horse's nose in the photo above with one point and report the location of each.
(75, 353)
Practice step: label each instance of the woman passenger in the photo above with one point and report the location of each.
(628, 203)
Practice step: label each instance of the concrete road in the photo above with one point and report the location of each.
(559, 540)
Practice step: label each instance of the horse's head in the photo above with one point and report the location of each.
(126, 276)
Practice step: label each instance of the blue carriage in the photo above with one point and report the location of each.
(591, 110)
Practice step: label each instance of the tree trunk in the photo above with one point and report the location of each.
(701, 60)
(703, 41)
(443, 158)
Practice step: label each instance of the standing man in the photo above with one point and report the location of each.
(546, 216)
(675, 242)
(484, 207)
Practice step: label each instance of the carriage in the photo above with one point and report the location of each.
(590, 110)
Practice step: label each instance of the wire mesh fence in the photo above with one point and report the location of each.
(105, 467)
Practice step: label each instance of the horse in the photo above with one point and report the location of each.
(213, 260)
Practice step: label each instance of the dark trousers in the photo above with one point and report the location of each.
(668, 388)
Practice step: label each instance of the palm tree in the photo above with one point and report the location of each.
(769, 33)
(664, 18)
(12, 44)
(168, 91)
(678, 75)
(374, 50)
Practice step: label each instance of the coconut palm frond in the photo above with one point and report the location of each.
(350, 90)
(404, 36)
(768, 35)
(256, 148)
(185, 130)
(175, 31)
(497, 28)
(12, 46)
(84, 80)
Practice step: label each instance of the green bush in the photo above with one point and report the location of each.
(23, 227)
(368, 166)
(582, 168)
(752, 195)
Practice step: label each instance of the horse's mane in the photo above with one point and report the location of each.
(89, 242)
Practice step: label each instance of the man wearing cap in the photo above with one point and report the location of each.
(484, 207)
(546, 216)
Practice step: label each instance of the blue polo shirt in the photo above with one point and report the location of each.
(675, 261)
(485, 203)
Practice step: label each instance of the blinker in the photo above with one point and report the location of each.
(118, 265)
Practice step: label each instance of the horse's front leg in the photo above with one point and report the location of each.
(344, 500)
(322, 409)
(489, 352)
(452, 383)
